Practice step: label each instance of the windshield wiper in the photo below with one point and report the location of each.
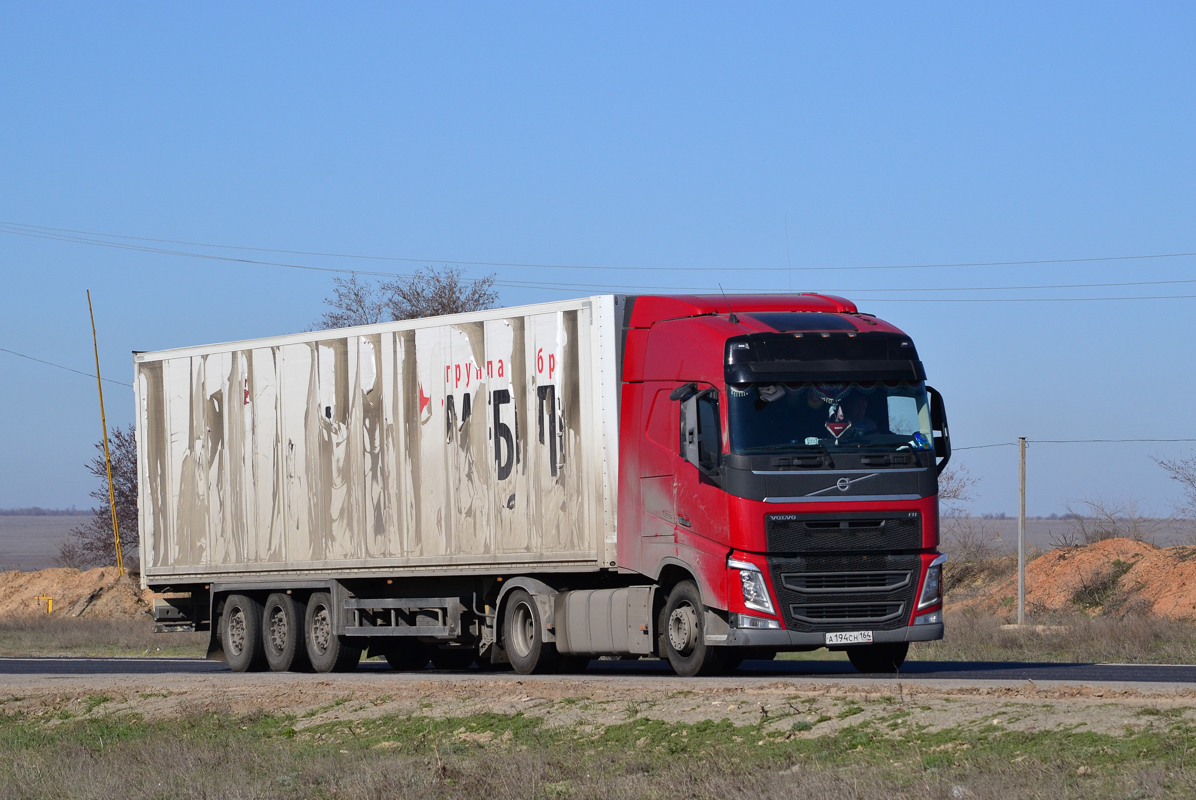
(765, 448)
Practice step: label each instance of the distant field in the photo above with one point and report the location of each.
(28, 543)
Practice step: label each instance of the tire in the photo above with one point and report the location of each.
(523, 635)
(241, 633)
(453, 659)
(327, 651)
(282, 633)
(406, 656)
(682, 634)
(880, 658)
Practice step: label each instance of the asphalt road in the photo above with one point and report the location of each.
(964, 671)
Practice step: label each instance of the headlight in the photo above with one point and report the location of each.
(755, 593)
(932, 588)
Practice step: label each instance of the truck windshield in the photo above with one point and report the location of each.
(771, 417)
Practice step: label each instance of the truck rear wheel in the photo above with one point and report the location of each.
(883, 658)
(327, 651)
(241, 633)
(523, 636)
(682, 635)
(282, 633)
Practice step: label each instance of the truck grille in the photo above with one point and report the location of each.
(819, 613)
(820, 533)
(833, 592)
(821, 582)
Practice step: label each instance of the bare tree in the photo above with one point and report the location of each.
(91, 544)
(955, 489)
(966, 539)
(1183, 472)
(1097, 520)
(430, 292)
(354, 302)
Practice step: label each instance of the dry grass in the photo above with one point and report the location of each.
(50, 635)
(225, 756)
(1132, 638)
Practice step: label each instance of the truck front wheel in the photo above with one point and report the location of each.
(682, 635)
(327, 651)
(883, 658)
(523, 635)
(241, 633)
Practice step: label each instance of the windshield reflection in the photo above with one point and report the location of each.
(771, 417)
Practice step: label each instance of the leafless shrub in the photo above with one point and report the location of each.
(92, 544)
(1096, 520)
(955, 489)
(1183, 472)
(430, 292)
(967, 539)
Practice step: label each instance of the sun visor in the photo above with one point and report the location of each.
(833, 357)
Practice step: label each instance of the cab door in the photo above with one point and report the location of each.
(658, 456)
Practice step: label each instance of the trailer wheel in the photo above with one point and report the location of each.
(883, 658)
(282, 633)
(523, 635)
(682, 638)
(327, 651)
(241, 633)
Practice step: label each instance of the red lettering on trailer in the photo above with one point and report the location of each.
(551, 363)
(540, 360)
(457, 375)
(489, 369)
(500, 368)
(448, 374)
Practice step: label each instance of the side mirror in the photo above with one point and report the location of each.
(938, 425)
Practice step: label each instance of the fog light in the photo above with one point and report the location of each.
(753, 623)
(933, 618)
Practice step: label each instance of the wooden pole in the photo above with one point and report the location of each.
(120, 558)
(1021, 531)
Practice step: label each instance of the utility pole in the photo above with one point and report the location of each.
(120, 558)
(1021, 531)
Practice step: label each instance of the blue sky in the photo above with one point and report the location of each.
(675, 141)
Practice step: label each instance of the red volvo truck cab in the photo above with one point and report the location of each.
(782, 453)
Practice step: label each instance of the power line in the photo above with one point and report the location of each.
(573, 287)
(60, 366)
(1067, 441)
(18, 227)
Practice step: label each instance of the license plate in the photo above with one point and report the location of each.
(849, 637)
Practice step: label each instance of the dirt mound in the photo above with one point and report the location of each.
(1104, 576)
(94, 593)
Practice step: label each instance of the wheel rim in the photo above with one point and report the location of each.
(278, 629)
(321, 629)
(683, 628)
(236, 631)
(523, 630)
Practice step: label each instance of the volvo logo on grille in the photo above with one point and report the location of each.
(843, 484)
